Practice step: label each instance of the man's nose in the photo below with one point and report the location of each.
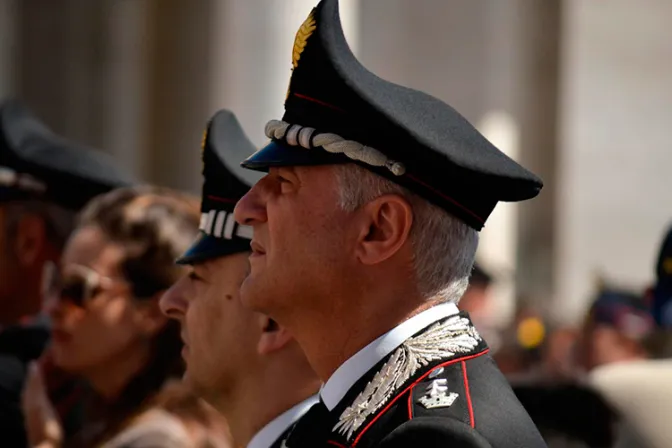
(173, 303)
(251, 208)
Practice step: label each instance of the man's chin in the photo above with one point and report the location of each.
(201, 389)
(186, 378)
(189, 381)
(251, 295)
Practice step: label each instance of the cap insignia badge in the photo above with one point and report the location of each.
(204, 138)
(301, 38)
(300, 42)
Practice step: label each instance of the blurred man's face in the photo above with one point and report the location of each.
(602, 344)
(220, 335)
(23, 249)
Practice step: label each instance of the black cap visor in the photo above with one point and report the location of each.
(207, 247)
(277, 153)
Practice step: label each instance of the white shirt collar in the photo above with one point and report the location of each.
(274, 429)
(333, 391)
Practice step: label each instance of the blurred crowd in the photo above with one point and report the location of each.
(601, 382)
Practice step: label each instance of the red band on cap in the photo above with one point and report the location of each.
(447, 198)
(219, 199)
(321, 103)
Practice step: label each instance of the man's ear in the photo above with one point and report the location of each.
(273, 336)
(30, 239)
(386, 224)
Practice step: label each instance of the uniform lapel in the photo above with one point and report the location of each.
(449, 338)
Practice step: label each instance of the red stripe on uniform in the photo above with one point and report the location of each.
(411, 386)
(331, 442)
(410, 404)
(447, 198)
(466, 391)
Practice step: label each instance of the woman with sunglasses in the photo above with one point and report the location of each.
(107, 326)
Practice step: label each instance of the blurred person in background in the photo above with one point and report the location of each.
(661, 293)
(476, 299)
(242, 362)
(558, 355)
(567, 409)
(107, 326)
(477, 302)
(617, 324)
(538, 361)
(641, 389)
(519, 354)
(544, 354)
(44, 181)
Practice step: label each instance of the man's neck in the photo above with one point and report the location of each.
(331, 337)
(262, 398)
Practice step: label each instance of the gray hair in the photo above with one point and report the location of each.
(59, 222)
(444, 247)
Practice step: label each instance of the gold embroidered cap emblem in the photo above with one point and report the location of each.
(301, 38)
(441, 341)
(204, 138)
(300, 42)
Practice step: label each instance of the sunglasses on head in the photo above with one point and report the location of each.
(76, 283)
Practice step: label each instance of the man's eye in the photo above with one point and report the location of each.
(194, 277)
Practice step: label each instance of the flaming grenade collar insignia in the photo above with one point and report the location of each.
(443, 340)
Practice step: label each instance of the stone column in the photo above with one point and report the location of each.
(177, 90)
(82, 68)
(127, 85)
(536, 28)
(41, 57)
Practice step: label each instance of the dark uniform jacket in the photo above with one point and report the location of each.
(275, 432)
(280, 440)
(440, 388)
(19, 345)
